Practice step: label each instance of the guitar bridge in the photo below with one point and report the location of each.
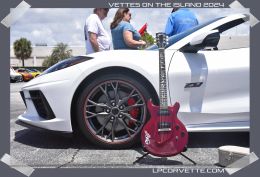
(164, 129)
(164, 126)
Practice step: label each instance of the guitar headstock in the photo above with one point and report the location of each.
(161, 40)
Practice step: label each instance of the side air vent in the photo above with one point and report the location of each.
(41, 104)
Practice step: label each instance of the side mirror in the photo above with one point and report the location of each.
(208, 39)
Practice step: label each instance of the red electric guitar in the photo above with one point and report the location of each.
(164, 134)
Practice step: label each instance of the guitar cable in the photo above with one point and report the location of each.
(168, 76)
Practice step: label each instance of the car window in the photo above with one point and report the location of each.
(22, 70)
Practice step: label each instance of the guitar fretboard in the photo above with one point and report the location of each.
(163, 81)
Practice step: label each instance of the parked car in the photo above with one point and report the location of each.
(34, 72)
(104, 94)
(14, 76)
(25, 73)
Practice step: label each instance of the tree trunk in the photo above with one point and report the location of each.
(22, 61)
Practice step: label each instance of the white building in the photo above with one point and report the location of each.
(39, 53)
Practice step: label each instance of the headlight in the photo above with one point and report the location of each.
(66, 63)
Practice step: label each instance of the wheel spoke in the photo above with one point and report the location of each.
(96, 114)
(108, 135)
(126, 128)
(133, 131)
(115, 88)
(96, 104)
(103, 127)
(126, 98)
(105, 93)
(128, 108)
(136, 122)
(113, 131)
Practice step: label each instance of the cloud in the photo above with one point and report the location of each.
(78, 25)
(53, 25)
(36, 33)
(42, 32)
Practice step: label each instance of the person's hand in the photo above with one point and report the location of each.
(142, 42)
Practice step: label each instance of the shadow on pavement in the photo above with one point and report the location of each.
(217, 139)
(51, 140)
(158, 161)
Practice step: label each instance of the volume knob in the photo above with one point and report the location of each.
(177, 127)
(182, 134)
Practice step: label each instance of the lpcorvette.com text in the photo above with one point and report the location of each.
(188, 170)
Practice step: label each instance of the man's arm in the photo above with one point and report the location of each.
(93, 41)
(169, 27)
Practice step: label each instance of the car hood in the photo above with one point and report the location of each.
(122, 54)
(142, 58)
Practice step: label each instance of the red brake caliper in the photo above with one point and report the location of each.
(134, 111)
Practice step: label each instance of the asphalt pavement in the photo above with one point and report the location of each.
(40, 148)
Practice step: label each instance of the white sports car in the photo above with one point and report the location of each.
(104, 94)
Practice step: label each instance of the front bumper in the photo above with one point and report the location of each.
(34, 114)
(48, 100)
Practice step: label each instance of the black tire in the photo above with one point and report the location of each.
(106, 129)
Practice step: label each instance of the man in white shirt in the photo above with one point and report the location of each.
(96, 37)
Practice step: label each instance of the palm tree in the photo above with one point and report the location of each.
(22, 49)
(60, 52)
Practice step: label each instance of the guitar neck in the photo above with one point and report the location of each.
(163, 80)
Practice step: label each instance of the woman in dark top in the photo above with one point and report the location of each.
(124, 36)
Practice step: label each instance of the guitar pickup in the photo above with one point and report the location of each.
(164, 129)
(163, 113)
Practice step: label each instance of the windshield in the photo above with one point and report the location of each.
(176, 38)
(34, 70)
(66, 63)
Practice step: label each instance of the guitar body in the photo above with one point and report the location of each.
(164, 134)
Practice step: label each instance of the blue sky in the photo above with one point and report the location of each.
(53, 25)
